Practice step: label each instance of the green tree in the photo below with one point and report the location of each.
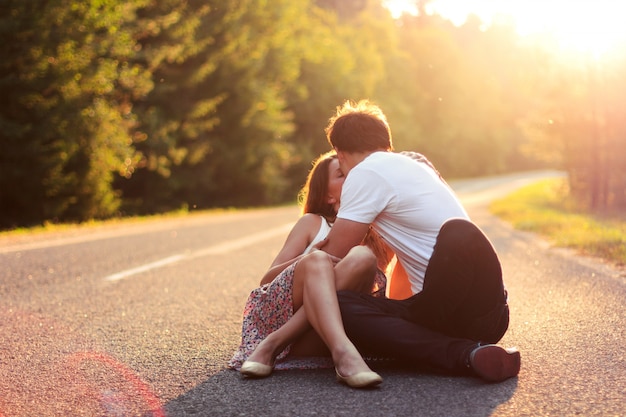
(189, 103)
(68, 87)
(216, 123)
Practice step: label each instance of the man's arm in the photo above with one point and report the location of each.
(343, 236)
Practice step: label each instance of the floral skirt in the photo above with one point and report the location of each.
(269, 307)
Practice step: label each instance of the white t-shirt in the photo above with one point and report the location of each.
(406, 202)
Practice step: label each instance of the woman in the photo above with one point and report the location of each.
(275, 323)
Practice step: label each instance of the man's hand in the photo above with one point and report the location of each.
(319, 245)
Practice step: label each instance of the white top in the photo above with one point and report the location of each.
(321, 235)
(406, 202)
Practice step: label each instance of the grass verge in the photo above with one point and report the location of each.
(546, 208)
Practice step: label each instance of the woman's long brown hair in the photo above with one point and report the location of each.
(313, 197)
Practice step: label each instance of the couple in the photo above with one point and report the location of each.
(458, 308)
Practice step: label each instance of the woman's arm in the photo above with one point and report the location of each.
(298, 239)
(277, 269)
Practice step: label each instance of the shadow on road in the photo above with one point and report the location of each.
(316, 393)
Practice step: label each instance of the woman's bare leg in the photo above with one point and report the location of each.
(356, 271)
(278, 340)
(322, 307)
(317, 274)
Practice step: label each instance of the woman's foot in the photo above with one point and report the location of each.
(261, 362)
(364, 379)
(352, 370)
(256, 369)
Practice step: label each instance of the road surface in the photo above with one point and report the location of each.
(140, 320)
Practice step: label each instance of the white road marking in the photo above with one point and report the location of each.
(144, 268)
(211, 250)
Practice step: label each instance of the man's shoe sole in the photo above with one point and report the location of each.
(495, 364)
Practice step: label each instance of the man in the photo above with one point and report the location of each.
(459, 308)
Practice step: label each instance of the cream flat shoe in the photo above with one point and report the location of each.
(360, 380)
(256, 369)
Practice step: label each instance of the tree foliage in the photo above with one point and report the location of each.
(143, 106)
(68, 85)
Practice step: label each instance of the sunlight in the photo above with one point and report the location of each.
(594, 27)
(589, 27)
(398, 7)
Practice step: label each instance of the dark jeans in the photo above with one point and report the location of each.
(463, 302)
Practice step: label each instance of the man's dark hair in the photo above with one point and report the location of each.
(359, 127)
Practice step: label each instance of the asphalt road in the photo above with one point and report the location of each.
(140, 320)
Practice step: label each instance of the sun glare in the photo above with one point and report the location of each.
(398, 7)
(593, 27)
(590, 27)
